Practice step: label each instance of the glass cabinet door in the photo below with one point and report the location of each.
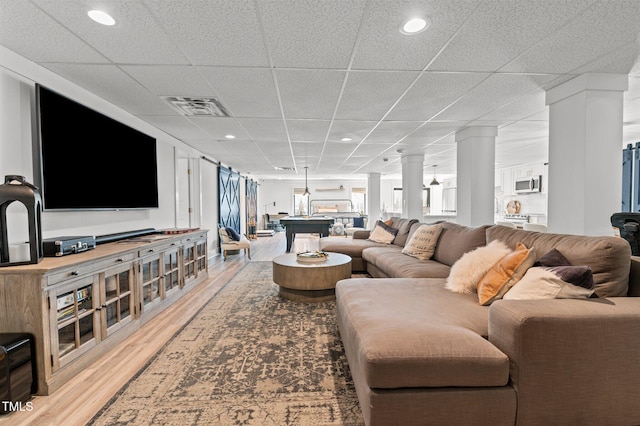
(171, 271)
(74, 307)
(201, 255)
(150, 281)
(117, 305)
(189, 259)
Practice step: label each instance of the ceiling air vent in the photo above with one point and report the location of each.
(284, 168)
(208, 107)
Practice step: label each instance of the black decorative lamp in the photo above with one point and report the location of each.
(16, 188)
(306, 191)
(434, 181)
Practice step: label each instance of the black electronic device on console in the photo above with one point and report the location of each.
(61, 246)
(109, 238)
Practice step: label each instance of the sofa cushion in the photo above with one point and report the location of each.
(348, 246)
(505, 274)
(472, 266)
(393, 263)
(608, 257)
(403, 226)
(383, 233)
(422, 243)
(415, 333)
(456, 240)
(557, 282)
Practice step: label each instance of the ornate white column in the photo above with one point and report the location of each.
(476, 155)
(585, 145)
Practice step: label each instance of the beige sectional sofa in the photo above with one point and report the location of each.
(421, 354)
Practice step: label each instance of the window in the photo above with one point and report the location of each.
(359, 200)
(300, 202)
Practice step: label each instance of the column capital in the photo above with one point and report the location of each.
(589, 81)
(412, 158)
(476, 132)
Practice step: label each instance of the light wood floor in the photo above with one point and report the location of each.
(77, 401)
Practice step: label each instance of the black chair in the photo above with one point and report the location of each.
(629, 226)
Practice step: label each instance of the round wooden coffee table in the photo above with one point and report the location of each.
(310, 282)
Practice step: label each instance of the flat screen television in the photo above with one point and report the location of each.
(85, 160)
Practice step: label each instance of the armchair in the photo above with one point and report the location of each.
(227, 244)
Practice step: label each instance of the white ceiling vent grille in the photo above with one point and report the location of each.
(209, 107)
(284, 168)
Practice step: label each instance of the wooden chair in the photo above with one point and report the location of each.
(228, 244)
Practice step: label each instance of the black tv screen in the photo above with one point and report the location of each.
(88, 161)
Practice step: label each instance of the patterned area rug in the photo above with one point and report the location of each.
(247, 358)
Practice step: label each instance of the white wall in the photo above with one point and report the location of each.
(17, 123)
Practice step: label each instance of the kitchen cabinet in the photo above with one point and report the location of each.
(80, 306)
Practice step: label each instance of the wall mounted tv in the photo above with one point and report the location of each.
(85, 160)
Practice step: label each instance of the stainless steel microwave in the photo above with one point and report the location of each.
(532, 184)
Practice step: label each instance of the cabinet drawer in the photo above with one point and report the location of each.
(146, 251)
(88, 268)
(194, 238)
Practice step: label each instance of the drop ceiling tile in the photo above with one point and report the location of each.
(171, 80)
(493, 93)
(309, 93)
(110, 83)
(617, 61)
(311, 33)
(356, 130)
(264, 129)
(178, 127)
(600, 29)
(219, 127)
(307, 149)
(433, 92)
(532, 103)
(133, 22)
(308, 130)
(360, 101)
(382, 46)
(29, 31)
(213, 32)
(431, 132)
(337, 151)
(275, 149)
(370, 150)
(392, 131)
(248, 92)
(502, 30)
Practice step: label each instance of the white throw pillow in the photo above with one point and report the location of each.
(548, 283)
(467, 272)
(382, 233)
(423, 242)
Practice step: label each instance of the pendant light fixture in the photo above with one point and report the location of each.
(434, 181)
(306, 185)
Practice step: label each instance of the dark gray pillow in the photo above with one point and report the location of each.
(233, 234)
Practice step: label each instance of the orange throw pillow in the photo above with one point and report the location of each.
(505, 274)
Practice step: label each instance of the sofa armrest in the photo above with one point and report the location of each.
(566, 355)
(361, 235)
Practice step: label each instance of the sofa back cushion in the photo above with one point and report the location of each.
(608, 257)
(403, 226)
(456, 240)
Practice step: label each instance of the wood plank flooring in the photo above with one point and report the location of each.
(76, 402)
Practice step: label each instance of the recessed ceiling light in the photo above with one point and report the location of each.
(414, 26)
(229, 136)
(101, 17)
(346, 139)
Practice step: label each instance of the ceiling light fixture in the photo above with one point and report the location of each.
(229, 136)
(306, 185)
(346, 139)
(414, 26)
(101, 17)
(434, 181)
